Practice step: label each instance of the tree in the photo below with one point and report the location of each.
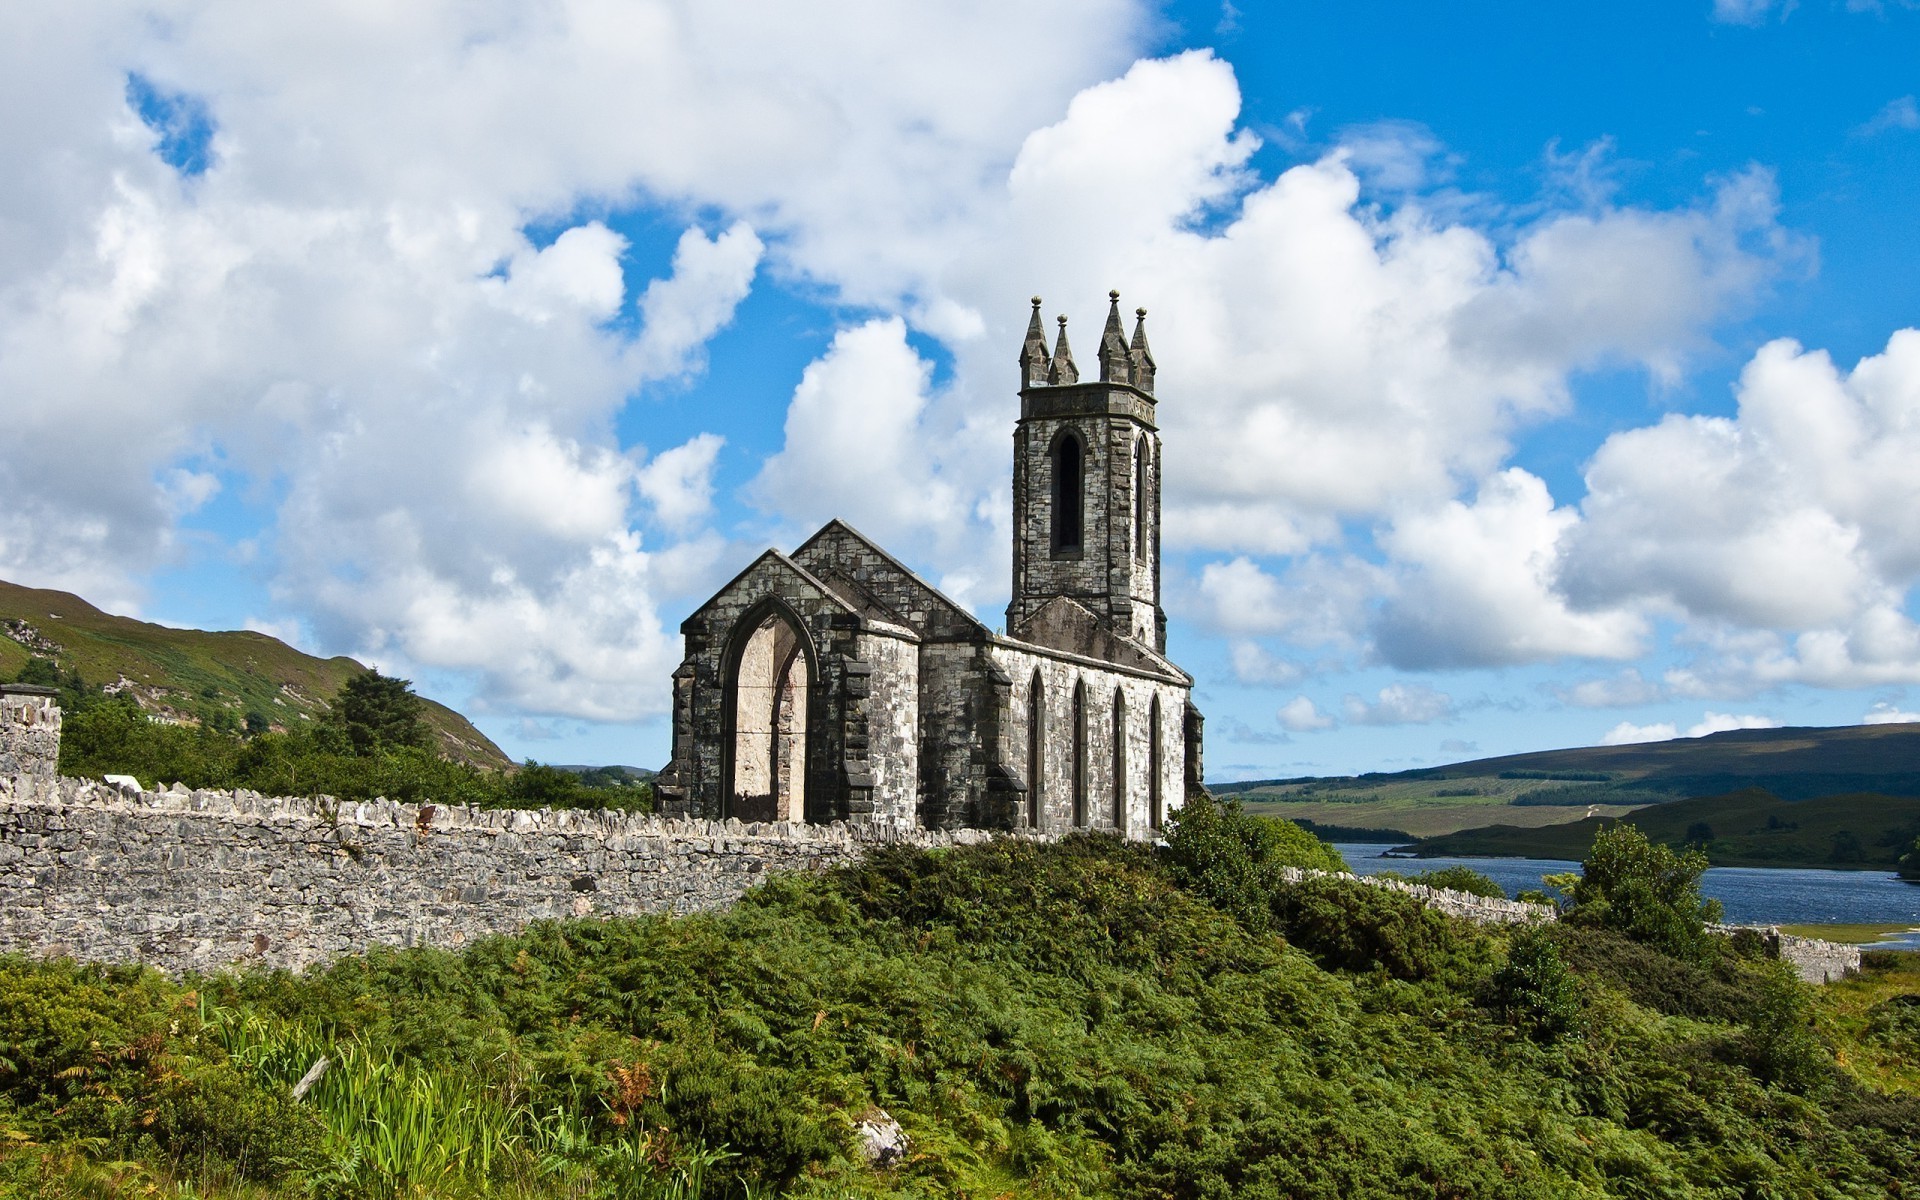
(1644, 890)
(378, 712)
(1910, 862)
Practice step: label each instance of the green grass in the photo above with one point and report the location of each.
(196, 676)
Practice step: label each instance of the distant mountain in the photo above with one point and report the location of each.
(1747, 828)
(191, 676)
(1553, 787)
(1792, 763)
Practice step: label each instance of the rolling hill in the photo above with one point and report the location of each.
(189, 676)
(1747, 828)
(1554, 787)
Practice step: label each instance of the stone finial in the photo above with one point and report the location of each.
(1141, 356)
(1063, 369)
(1036, 365)
(1115, 364)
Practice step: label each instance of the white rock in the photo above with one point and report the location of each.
(882, 1141)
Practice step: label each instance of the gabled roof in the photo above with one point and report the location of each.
(911, 593)
(777, 562)
(1064, 624)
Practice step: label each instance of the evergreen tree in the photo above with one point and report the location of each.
(378, 712)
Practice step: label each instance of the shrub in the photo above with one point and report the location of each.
(1646, 891)
(1780, 1043)
(1534, 989)
(1350, 926)
(1234, 861)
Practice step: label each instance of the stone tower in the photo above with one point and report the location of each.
(1086, 483)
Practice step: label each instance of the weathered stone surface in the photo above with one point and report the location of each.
(29, 732)
(198, 880)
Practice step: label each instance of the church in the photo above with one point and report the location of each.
(834, 684)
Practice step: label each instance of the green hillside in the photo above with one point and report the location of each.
(191, 676)
(1747, 828)
(1555, 787)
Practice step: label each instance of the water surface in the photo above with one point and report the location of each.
(1750, 895)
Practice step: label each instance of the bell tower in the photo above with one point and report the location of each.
(1086, 482)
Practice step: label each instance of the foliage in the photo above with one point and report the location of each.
(377, 712)
(1910, 862)
(1648, 892)
(1534, 989)
(111, 735)
(1216, 850)
(1087, 1018)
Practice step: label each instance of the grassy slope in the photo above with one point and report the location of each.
(185, 673)
(1794, 764)
(1750, 828)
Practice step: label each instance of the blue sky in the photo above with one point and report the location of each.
(1531, 375)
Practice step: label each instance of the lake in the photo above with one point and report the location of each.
(1751, 895)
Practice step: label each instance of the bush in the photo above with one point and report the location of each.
(1534, 990)
(1234, 861)
(1347, 925)
(1646, 891)
(1780, 1043)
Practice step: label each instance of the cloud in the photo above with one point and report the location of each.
(1238, 732)
(1794, 519)
(1476, 585)
(1626, 733)
(679, 482)
(1884, 713)
(680, 313)
(1301, 716)
(1750, 12)
(1626, 689)
(1253, 664)
(1901, 113)
(1711, 722)
(1400, 704)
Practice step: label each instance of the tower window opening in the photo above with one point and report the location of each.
(1140, 499)
(1069, 460)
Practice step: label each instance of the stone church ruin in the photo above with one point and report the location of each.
(834, 684)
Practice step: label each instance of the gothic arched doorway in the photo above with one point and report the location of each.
(767, 688)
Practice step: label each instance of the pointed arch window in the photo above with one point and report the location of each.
(1119, 760)
(1080, 754)
(1036, 748)
(1153, 763)
(1069, 491)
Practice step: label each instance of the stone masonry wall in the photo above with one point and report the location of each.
(185, 880)
(29, 734)
(198, 880)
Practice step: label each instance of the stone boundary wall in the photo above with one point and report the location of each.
(200, 880)
(186, 880)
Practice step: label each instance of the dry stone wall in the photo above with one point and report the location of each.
(200, 880)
